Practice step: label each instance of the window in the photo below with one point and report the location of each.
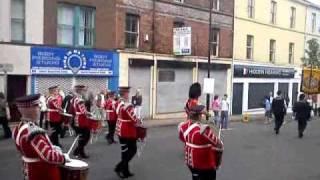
(216, 5)
(132, 31)
(251, 8)
(293, 17)
(314, 22)
(177, 24)
(273, 12)
(179, 1)
(291, 53)
(272, 53)
(76, 25)
(215, 42)
(166, 76)
(249, 47)
(18, 20)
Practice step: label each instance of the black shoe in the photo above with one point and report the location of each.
(76, 152)
(119, 173)
(277, 132)
(84, 155)
(128, 174)
(300, 135)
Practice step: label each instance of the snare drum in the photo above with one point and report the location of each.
(94, 124)
(141, 132)
(66, 117)
(75, 170)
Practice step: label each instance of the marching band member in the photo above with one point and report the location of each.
(201, 145)
(194, 94)
(40, 158)
(127, 132)
(54, 109)
(80, 121)
(110, 107)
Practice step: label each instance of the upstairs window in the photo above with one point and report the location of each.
(249, 47)
(18, 20)
(132, 31)
(272, 51)
(293, 17)
(251, 8)
(314, 22)
(291, 53)
(273, 12)
(215, 42)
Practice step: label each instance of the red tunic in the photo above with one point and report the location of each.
(53, 109)
(127, 121)
(200, 145)
(40, 160)
(110, 107)
(80, 114)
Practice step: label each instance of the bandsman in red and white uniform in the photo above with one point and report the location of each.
(201, 146)
(55, 119)
(81, 122)
(110, 107)
(194, 94)
(127, 132)
(40, 158)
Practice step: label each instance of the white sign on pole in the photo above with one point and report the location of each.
(182, 41)
(6, 67)
(208, 87)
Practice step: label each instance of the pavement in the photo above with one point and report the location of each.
(252, 152)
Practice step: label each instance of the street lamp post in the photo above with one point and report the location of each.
(209, 51)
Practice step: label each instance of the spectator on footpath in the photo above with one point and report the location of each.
(279, 110)
(137, 103)
(270, 97)
(224, 112)
(216, 108)
(43, 110)
(302, 110)
(267, 108)
(4, 116)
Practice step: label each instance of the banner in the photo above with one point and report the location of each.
(182, 41)
(310, 82)
(67, 61)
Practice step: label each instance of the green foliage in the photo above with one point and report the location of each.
(312, 54)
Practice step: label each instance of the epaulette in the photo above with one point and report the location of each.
(34, 130)
(127, 105)
(203, 127)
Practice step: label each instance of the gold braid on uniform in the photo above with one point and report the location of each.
(34, 131)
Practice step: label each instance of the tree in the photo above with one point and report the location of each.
(312, 54)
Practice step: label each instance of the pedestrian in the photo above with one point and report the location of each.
(267, 109)
(43, 111)
(137, 103)
(110, 107)
(279, 110)
(81, 121)
(126, 129)
(302, 110)
(67, 108)
(4, 116)
(201, 146)
(216, 108)
(41, 160)
(194, 94)
(224, 112)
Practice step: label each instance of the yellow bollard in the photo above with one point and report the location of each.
(245, 118)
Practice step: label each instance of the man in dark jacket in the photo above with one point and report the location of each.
(279, 110)
(302, 110)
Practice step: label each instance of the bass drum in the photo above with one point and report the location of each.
(75, 170)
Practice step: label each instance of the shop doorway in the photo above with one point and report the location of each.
(16, 87)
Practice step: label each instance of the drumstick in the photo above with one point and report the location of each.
(219, 131)
(74, 143)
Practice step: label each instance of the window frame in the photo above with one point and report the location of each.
(126, 32)
(272, 50)
(213, 43)
(216, 5)
(251, 8)
(92, 29)
(179, 1)
(251, 48)
(291, 52)
(17, 20)
(313, 22)
(293, 17)
(273, 12)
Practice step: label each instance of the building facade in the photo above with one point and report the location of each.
(268, 47)
(148, 56)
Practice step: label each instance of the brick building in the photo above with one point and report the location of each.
(118, 42)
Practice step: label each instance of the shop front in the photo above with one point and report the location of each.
(252, 83)
(66, 67)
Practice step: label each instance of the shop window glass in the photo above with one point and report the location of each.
(18, 20)
(257, 92)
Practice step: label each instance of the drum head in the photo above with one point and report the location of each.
(76, 164)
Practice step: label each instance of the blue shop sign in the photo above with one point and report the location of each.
(66, 61)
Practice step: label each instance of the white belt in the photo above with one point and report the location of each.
(123, 120)
(79, 113)
(30, 160)
(109, 111)
(53, 110)
(198, 146)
